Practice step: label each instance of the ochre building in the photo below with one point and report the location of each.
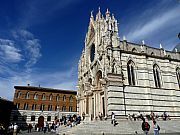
(119, 76)
(36, 104)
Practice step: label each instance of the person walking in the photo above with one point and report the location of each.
(145, 127)
(156, 128)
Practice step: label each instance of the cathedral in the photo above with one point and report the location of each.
(118, 76)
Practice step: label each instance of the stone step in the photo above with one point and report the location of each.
(124, 127)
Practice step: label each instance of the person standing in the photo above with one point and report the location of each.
(156, 128)
(29, 128)
(113, 118)
(145, 127)
(83, 115)
(15, 127)
(45, 128)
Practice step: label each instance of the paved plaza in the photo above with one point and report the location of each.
(36, 133)
(50, 133)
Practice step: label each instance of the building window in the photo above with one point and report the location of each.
(27, 95)
(34, 107)
(131, 75)
(24, 118)
(178, 75)
(42, 107)
(57, 108)
(33, 118)
(15, 118)
(43, 96)
(70, 99)
(64, 108)
(64, 98)
(49, 118)
(17, 105)
(156, 72)
(25, 106)
(70, 108)
(18, 95)
(35, 96)
(49, 107)
(50, 97)
(57, 98)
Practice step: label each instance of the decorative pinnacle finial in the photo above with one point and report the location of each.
(92, 13)
(164, 52)
(176, 50)
(143, 42)
(124, 38)
(99, 9)
(107, 11)
(160, 46)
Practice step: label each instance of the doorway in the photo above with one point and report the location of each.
(41, 122)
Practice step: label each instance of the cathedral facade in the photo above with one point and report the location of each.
(118, 76)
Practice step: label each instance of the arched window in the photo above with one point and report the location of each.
(57, 108)
(131, 74)
(57, 97)
(42, 107)
(70, 108)
(134, 50)
(50, 97)
(64, 108)
(49, 107)
(70, 99)
(35, 96)
(43, 96)
(34, 107)
(156, 72)
(98, 77)
(178, 75)
(27, 95)
(17, 105)
(18, 94)
(25, 106)
(64, 98)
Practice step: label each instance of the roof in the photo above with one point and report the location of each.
(44, 89)
(3, 99)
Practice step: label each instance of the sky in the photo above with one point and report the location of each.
(41, 40)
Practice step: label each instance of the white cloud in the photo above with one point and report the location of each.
(8, 51)
(30, 45)
(33, 51)
(161, 20)
(17, 58)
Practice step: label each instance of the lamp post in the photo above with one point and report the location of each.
(58, 110)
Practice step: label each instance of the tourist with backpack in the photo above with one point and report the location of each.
(156, 128)
(145, 126)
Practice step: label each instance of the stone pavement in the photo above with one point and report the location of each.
(36, 133)
(171, 127)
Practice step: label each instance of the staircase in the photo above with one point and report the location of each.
(123, 127)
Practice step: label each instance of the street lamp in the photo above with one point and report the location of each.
(58, 110)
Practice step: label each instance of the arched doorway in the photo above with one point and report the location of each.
(41, 122)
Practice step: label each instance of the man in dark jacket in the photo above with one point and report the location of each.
(145, 126)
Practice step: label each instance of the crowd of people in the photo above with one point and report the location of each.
(151, 116)
(71, 121)
(68, 121)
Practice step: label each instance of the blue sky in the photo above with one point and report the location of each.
(41, 40)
